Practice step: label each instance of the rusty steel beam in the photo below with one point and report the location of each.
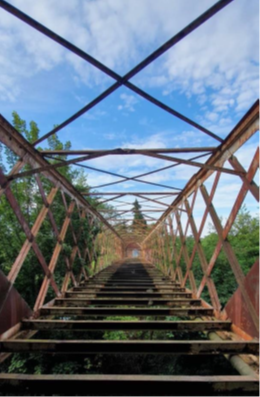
(153, 200)
(236, 207)
(18, 144)
(43, 324)
(194, 163)
(234, 264)
(135, 178)
(251, 185)
(103, 312)
(245, 128)
(123, 151)
(61, 164)
(126, 211)
(34, 231)
(190, 272)
(130, 346)
(124, 80)
(203, 261)
(55, 230)
(97, 154)
(202, 224)
(125, 301)
(26, 229)
(130, 385)
(128, 193)
(55, 255)
(16, 168)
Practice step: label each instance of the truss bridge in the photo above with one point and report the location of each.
(98, 297)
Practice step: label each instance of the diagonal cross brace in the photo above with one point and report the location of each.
(121, 80)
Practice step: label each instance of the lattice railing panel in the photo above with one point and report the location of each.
(203, 212)
(55, 234)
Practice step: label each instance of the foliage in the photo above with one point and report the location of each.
(139, 221)
(26, 192)
(244, 237)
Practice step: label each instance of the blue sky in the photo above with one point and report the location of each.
(211, 77)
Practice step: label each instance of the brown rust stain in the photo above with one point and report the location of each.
(12, 306)
(236, 307)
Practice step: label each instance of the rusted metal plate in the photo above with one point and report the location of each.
(12, 306)
(78, 325)
(236, 307)
(190, 347)
(129, 385)
(107, 311)
(178, 302)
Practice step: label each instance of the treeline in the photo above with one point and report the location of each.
(26, 192)
(244, 239)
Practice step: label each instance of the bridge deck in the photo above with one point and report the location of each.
(88, 309)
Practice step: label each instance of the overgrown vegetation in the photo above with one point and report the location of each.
(152, 364)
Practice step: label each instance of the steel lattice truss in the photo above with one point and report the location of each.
(157, 244)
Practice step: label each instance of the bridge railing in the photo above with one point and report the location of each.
(213, 198)
(51, 237)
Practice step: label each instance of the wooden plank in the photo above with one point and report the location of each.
(190, 347)
(129, 385)
(97, 311)
(127, 325)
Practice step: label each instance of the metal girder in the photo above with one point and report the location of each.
(124, 80)
(130, 385)
(129, 346)
(126, 325)
(122, 151)
(16, 142)
(245, 128)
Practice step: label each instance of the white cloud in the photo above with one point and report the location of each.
(110, 136)
(217, 63)
(114, 31)
(128, 102)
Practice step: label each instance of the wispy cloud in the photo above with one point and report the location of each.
(213, 71)
(128, 102)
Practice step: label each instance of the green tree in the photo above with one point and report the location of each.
(139, 220)
(27, 194)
